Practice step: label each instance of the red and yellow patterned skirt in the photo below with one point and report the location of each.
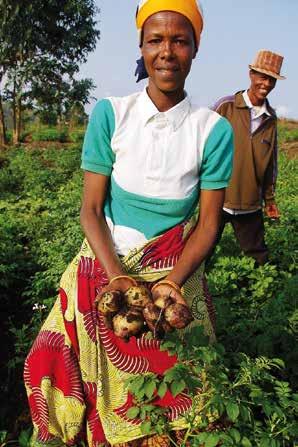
(76, 369)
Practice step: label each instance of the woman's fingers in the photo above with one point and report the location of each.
(120, 284)
(164, 291)
(168, 291)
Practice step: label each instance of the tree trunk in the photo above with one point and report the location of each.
(14, 115)
(17, 116)
(72, 119)
(3, 137)
(18, 119)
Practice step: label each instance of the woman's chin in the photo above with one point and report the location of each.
(169, 86)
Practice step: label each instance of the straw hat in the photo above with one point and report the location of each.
(268, 63)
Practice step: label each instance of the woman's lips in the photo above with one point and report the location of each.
(167, 73)
(167, 69)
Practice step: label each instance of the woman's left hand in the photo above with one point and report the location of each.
(168, 291)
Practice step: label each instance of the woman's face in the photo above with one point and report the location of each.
(168, 49)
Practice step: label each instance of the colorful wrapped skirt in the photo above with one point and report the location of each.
(76, 369)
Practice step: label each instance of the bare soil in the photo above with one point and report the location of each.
(290, 149)
(289, 124)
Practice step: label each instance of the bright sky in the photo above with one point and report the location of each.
(234, 31)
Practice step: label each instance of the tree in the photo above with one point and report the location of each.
(63, 99)
(8, 51)
(37, 33)
(76, 99)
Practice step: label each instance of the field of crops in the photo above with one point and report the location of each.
(252, 375)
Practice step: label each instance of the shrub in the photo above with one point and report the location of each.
(39, 197)
(77, 136)
(239, 402)
(50, 134)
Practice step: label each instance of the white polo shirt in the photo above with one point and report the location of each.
(158, 162)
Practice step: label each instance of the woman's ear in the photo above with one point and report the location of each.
(196, 48)
(141, 38)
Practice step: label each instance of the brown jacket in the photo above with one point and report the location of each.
(255, 155)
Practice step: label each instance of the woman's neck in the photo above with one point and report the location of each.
(164, 100)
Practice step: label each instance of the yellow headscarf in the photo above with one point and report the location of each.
(189, 8)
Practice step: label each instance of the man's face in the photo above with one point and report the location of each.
(168, 49)
(260, 87)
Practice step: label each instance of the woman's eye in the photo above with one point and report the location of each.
(154, 41)
(181, 42)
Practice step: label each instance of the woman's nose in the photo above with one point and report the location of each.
(166, 50)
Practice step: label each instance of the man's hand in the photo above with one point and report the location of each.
(271, 211)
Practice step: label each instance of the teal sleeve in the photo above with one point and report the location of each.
(216, 167)
(97, 154)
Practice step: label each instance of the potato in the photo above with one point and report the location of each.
(152, 315)
(110, 302)
(137, 296)
(128, 323)
(166, 327)
(155, 320)
(163, 301)
(107, 321)
(178, 315)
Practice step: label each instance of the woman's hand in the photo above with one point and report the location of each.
(121, 283)
(168, 297)
(164, 289)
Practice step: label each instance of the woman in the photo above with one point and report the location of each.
(147, 159)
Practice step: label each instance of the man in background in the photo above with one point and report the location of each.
(255, 158)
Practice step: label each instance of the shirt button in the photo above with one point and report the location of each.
(161, 125)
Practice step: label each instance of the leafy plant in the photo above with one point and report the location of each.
(22, 441)
(50, 135)
(239, 402)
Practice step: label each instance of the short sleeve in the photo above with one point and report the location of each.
(97, 154)
(216, 167)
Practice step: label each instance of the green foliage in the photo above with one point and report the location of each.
(257, 307)
(77, 136)
(43, 133)
(50, 134)
(236, 399)
(39, 198)
(286, 134)
(22, 441)
(42, 44)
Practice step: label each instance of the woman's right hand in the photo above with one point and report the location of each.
(122, 283)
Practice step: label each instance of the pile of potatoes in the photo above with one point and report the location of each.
(134, 312)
